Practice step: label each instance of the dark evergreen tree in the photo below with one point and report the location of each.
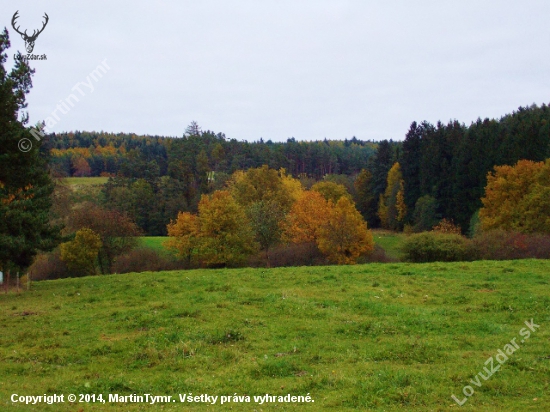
(379, 166)
(410, 164)
(366, 201)
(25, 184)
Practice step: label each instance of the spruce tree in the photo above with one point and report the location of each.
(25, 184)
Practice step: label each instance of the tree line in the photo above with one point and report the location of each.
(197, 152)
(438, 172)
(451, 162)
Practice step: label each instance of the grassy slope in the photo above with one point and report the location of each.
(369, 337)
(389, 241)
(85, 189)
(154, 242)
(86, 181)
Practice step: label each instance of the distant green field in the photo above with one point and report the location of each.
(154, 242)
(86, 180)
(391, 242)
(381, 337)
(85, 189)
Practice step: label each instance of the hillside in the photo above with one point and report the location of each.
(365, 337)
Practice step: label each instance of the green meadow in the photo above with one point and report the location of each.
(86, 181)
(154, 242)
(85, 189)
(382, 337)
(389, 241)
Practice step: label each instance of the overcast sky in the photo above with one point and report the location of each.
(280, 69)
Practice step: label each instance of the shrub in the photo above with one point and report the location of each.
(378, 255)
(538, 246)
(293, 254)
(48, 266)
(475, 225)
(118, 234)
(502, 245)
(437, 247)
(447, 226)
(145, 260)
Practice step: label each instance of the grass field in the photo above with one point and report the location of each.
(154, 242)
(86, 181)
(382, 337)
(389, 241)
(85, 189)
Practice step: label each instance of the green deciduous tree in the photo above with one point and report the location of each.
(226, 237)
(265, 218)
(81, 254)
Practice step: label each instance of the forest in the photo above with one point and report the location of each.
(443, 168)
(227, 203)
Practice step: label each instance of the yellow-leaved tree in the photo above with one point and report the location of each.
(331, 191)
(184, 234)
(517, 198)
(226, 237)
(292, 187)
(266, 185)
(266, 196)
(80, 254)
(344, 236)
(391, 208)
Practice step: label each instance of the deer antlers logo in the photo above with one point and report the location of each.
(29, 40)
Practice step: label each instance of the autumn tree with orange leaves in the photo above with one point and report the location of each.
(338, 230)
(305, 218)
(344, 235)
(184, 234)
